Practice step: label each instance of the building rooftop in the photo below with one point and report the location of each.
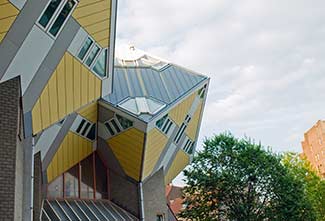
(144, 85)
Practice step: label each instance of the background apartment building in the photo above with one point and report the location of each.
(314, 147)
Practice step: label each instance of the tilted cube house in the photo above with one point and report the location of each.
(84, 135)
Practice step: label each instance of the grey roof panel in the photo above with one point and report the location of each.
(166, 85)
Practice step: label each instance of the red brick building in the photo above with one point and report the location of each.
(313, 147)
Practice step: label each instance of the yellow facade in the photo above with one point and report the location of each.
(178, 113)
(156, 141)
(193, 126)
(94, 17)
(8, 14)
(128, 148)
(180, 162)
(72, 150)
(90, 112)
(70, 87)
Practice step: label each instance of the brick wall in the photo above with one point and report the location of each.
(9, 142)
(37, 186)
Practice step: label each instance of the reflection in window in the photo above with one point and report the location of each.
(83, 51)
(92, 55)
(49, 12)
(62, 17)
(100, 65)
(55, 188)
(71, 188)
(125, 123)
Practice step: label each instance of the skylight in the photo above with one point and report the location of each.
(142, 105)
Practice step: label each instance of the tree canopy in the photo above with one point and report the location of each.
(237, 179)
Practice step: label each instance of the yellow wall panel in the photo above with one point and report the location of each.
(193, 126)
(94, 17)
(69, 83)
(70, 87)
(178, 113)
(90, 112)
(37, 121)
(76, 84)
(180, 162)
(98, 17)
(72, 150)
(127, 148)
(45, 107)
(156, 141)
(8, 14)
(92, 8)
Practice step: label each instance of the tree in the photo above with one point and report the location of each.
(313, 185)
(236, 179)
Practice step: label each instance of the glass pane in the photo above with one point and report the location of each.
(92, 133)
(55, 188)
(130, 105)
(71, 183)
(87, 178)
(115, 126)
(62, 17)
(161, 122)
(100, 66)
(49, 12)
(92, 55)
(85, 48)
(125, 123)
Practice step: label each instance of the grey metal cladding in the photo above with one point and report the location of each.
(8, 51)
(25, 21)
(134, 82)
(58, 140)
(18, 32)
(49, 64)
(28, 129)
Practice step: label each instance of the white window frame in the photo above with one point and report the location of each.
(96, 57)
(54, 17)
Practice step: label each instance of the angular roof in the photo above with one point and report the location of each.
(159, 82)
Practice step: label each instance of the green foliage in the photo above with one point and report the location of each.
(313, 185)
(234, 179)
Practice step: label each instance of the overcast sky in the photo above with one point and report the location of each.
(265, 58)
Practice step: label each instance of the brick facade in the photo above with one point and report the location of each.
(11, 181)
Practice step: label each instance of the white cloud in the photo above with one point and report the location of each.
(264, 58)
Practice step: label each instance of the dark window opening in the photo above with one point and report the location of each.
(81, 125)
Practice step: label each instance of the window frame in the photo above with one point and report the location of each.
(93, 63)
(57, 12)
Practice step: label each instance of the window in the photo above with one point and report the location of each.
(84, 128)
(49, 12)
(160, 217)
(142, 105)
(181, 130)
(161, 121)
(92, 55)
(180, 133)
(125, 123)
(188, 146)
(201, 92)
(164, 124)
(57, 25)
(85, 48)
(118, 124)
(55, 15)
(100, 65)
